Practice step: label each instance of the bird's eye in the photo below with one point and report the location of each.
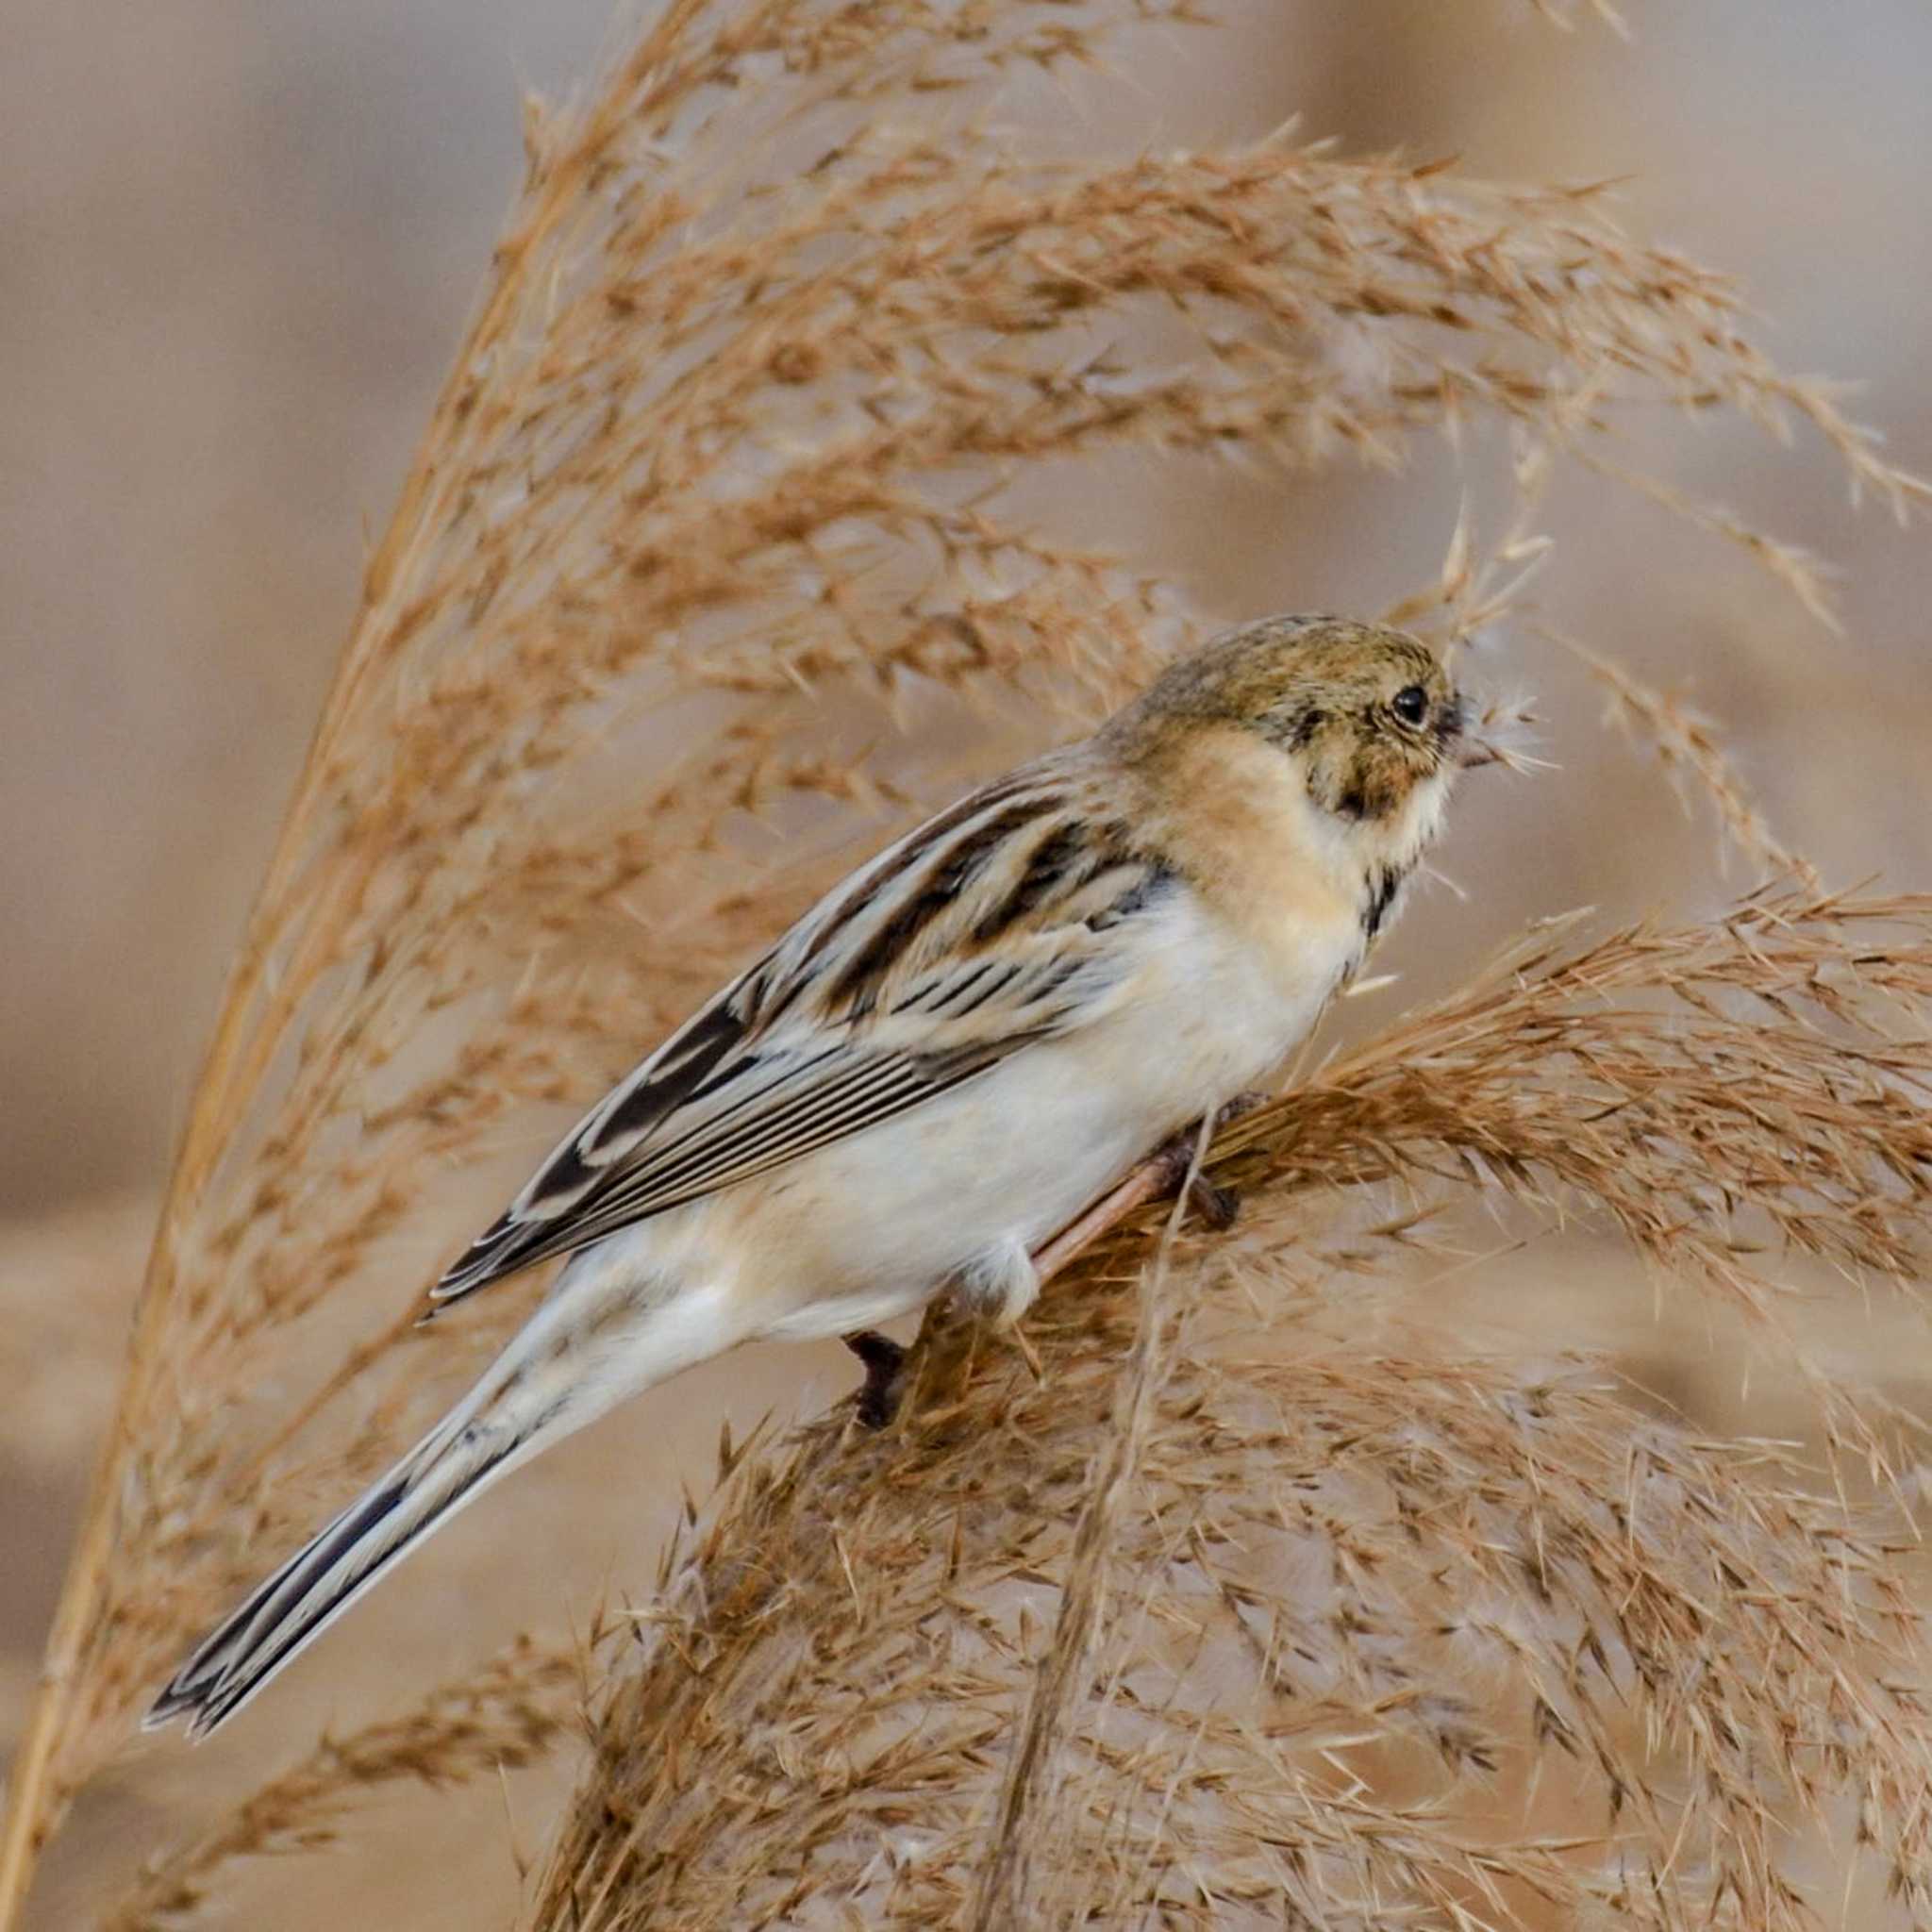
(1410, 703)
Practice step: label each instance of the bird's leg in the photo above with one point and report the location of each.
(1174, 1162)
(1161, 1172)
(1003, 1285)
(884, 1359)
(1168, 1166)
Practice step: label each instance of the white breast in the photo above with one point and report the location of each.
(882, 1219)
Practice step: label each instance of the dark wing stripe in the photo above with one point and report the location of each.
(897, 860)
(880, 1099)
(712, 1036)
(1048, 980)
(955, 1010)
(781, 1070)
(706, 1155)
(500, 1250)
(634, 1196)
(617, 1211)
(936, 994)
(951, 871)
(633, 1199)
(520, 1237)
(1154, 881)
(520, 1240)
(663, 1084)
(1053, 858)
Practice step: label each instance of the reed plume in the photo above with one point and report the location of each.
(1372, 1610)
(711, 567)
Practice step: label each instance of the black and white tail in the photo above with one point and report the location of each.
(544, 1386)
(448, 1468)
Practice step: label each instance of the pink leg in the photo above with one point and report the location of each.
(1160, 1174)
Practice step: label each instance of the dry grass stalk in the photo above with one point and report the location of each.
(1686, 744)
(1011, 1878)
(1565, 16)
(501, 1717)
(709, 518)
(1344, 1573)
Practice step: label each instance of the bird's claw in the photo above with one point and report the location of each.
(1218, 1207)
(885, 1360)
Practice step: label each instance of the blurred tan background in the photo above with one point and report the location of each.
(239, 244)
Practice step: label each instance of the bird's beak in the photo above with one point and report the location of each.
(1452, 738)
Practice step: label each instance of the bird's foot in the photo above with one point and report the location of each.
(1219, 1207)
(1163, 1171)
(885, 1362)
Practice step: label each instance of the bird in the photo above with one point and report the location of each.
(947, 1059)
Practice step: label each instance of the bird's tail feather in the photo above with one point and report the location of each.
(531, 1396)
(449, 1468)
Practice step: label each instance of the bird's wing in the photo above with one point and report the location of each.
(1008, 919)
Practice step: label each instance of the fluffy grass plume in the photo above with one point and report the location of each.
(708, 571)
(1370, 1616)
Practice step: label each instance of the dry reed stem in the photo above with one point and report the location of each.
(711, 518)
(1010, 1878)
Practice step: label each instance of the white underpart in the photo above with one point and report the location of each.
(964, 1187)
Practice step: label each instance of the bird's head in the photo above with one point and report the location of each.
(1367, 717)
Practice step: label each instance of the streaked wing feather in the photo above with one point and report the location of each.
(625, 1207)
(994, 924)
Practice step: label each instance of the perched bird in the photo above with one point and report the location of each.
(948, 1057)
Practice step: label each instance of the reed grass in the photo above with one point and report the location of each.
(711, 568)
(1370, 1614)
